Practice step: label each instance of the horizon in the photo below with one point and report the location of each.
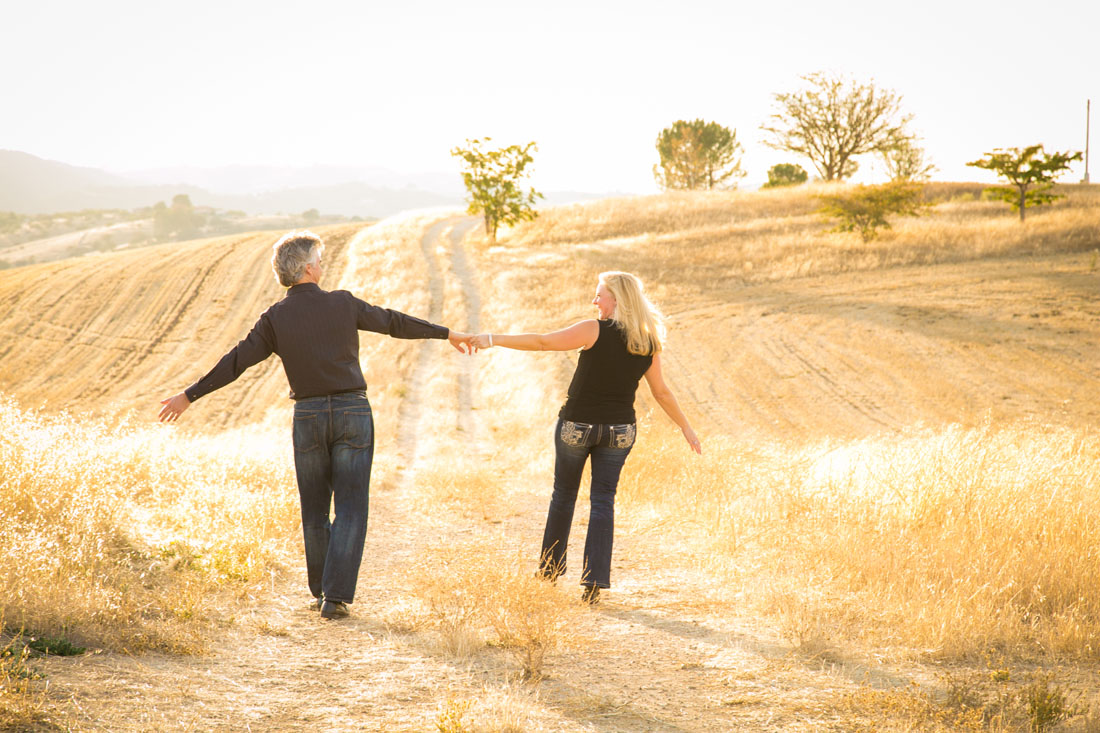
(354, 87)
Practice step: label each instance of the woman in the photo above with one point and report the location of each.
(597, 420)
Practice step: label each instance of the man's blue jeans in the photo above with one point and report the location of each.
(333, 451)
(574, 443)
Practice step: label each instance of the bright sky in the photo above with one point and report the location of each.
(129, 84)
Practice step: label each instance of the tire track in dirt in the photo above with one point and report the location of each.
(471, 300)
(409, 413)
(443, 235)
(849, 355)
(818, 370)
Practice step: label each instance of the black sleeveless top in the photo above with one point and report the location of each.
(603, 387)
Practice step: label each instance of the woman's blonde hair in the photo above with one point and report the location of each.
(640, 321)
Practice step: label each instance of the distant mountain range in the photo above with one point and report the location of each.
(32, 185)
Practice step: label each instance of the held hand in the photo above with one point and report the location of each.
(693, 440)
(482, 341)
(173, 407)
(461, 341)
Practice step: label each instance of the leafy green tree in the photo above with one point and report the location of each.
(311, 216)
(1030, 173)
(835, 119)
(698, 155)
(492, 181)
(162, 223)
(865, 209)
(786, 174)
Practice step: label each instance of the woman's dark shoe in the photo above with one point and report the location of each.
(334, 609)
(591, 594)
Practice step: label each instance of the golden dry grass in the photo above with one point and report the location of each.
(944, 542)
(684, 240)
(121, 536)
(476, 593)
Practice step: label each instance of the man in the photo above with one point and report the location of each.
(315, 333)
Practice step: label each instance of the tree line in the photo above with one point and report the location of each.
(830, 122)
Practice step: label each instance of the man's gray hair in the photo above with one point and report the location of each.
(292, 253)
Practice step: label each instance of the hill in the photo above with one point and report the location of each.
(749, 266)
(31, 185)
(891, 526)
(782, 328)
(110, 333)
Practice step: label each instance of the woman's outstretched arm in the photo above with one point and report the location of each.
(580, 335)
(668, 402)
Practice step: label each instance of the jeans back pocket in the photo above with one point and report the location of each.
(306, 433)
(622, 436)
(575, 434)
(358, 428)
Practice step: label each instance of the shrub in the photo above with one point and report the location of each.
(865, 209)
(786, 174)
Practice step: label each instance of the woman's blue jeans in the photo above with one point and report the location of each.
(608, 446)
(333, 452)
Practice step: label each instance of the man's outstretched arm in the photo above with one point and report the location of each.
(257, 346)
(403, 326)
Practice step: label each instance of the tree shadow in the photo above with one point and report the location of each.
(853, 670)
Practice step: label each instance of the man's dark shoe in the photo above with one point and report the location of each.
(591, 594)
(334, 609)
(315, 604)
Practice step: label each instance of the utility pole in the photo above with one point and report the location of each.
(1088, 110)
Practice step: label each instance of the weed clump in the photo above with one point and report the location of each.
(475, 597)
(21, 702)
(450, 717)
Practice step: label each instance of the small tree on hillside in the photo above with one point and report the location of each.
(178, 221)
(786, 174)
(492, 180)
(834, 120)
(1031, 173)
(865, 209)
(907, 161)
(698, 155)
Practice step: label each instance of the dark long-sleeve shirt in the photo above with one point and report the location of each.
(316, 333)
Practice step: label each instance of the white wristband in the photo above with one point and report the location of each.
(490, 341)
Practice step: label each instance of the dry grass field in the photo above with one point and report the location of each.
(895, 524)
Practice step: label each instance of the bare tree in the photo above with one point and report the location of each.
(835, 119)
